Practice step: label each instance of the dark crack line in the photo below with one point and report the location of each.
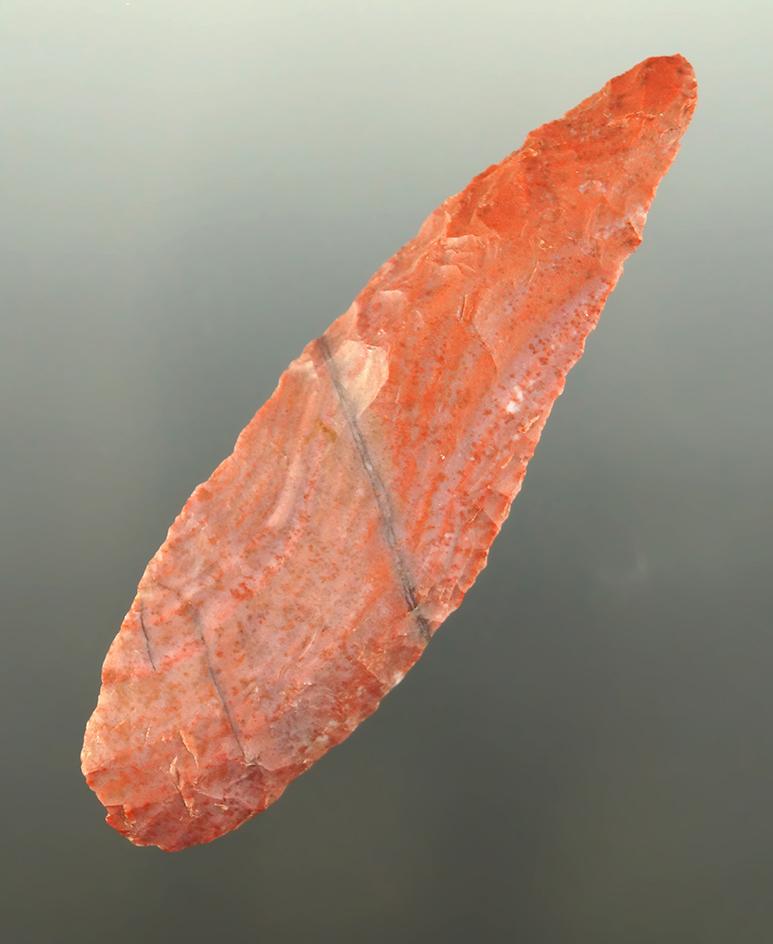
(380, 492)
(218, 689)
(210, 670)
(147, 640)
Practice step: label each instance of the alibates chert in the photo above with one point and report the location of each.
(301, 581)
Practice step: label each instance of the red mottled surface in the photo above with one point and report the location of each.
(301, 582)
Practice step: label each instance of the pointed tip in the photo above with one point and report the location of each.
(675, 61)
(663, 78)
(676, 68)
(660, 85)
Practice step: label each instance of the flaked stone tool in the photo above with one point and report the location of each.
(301, 581)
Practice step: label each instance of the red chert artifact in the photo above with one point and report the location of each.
(302, 581)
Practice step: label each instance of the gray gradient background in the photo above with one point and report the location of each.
(191, 191)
